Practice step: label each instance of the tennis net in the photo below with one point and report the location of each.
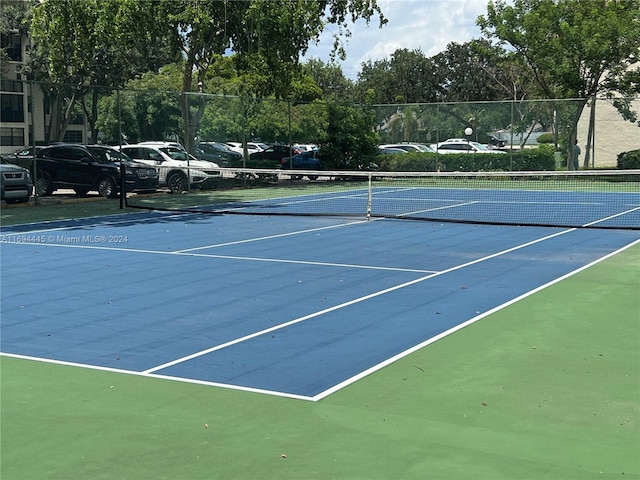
(596, 199)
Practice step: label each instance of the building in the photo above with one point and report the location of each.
(24, 112)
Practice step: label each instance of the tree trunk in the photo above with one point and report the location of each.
(59, 121)
(588, 151)
(573, 134)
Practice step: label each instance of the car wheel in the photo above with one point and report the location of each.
(43, 185)
(107, 187)
(177, 182)
(81, 192)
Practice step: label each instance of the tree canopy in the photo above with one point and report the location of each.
(573, 48)
(107, 42)
(252, 49)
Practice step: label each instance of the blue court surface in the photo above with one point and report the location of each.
(291, 306)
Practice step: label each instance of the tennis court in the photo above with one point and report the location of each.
(300, 303)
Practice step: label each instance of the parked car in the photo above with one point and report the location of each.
(218, 153)
(203, 153)
(461, 145)
(15, 183)
(305, 147)
(271, 157)
(302, 161)
(166, 144)
(177, 169)
(252, 147)
(409, 147)
(90, 167)
(138, 176)
(384, 150)
(22, 157)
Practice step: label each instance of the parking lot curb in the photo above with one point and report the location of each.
(54, 200)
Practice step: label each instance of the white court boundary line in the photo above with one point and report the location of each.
(149, 373)
(270, 237)
(190, 251)
(353, 301)
(471, 321)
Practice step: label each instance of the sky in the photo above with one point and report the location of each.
(428, 25)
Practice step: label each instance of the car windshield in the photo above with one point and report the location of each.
(207, 148)
(108, 154)
(221, 147)
(479, 146)
(176, 153)
(424, 148)
(408, 147)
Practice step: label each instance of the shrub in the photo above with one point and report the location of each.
(409, 162)
(629, 160)
(545, 138)
(540, 158)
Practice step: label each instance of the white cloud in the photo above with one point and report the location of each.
(428, 25)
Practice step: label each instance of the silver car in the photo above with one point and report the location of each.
(16, 183)
(460, 145)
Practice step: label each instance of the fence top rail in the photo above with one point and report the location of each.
(479, 174)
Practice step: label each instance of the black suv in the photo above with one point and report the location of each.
(90, 167)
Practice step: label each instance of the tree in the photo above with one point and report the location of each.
(330, 79)
(82, 46)
(84, 43)
(472, 71)
(268, 38)
(407, 77)
(349, 141)
(149, 108)
(573, 48)
(14, 19)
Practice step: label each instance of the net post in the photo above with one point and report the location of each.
(369, 196)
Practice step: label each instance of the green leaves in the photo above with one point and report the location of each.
(572, 47)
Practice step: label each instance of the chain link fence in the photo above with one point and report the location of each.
(39, 114)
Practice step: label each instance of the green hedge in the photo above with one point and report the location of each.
(629, 160)
(535, 159)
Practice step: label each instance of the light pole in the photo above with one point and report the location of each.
(468, 132)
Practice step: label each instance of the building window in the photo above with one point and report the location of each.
(12, 136)
(11, 42)
(11, 107)
(10, 85)
(72, 136)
